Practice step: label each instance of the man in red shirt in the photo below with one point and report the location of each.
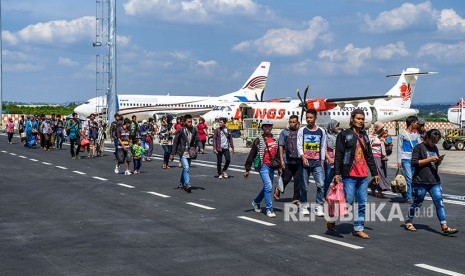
(352, 161)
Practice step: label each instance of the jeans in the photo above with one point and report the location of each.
(137, 163)
(408, 172)
(329, 175)
(115, 143)
(219, 160)
(143, 144)
(166, 153)
(186, 163)
(266, 173)
(355, 189)
(292, 171)
(71, 148)
(59, 140)
(419, 192)
(319, 182)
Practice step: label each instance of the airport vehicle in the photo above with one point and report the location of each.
(155, 106)
(394, 105)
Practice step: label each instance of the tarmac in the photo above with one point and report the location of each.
(61, 216)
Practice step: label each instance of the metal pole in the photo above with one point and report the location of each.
(1, 67)
(111, 93)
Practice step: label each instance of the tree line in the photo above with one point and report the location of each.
(42, 109)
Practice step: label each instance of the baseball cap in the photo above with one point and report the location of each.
(267, 122)
(421, 121)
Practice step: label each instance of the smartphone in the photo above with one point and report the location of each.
(442, 156)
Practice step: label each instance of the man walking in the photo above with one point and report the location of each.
(311, 146)
(222, 142)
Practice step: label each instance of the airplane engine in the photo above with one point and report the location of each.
(320, 105)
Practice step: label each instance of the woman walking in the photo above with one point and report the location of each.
(166, 139)
(202, 130)
(10, 129)
(426, 160)
(379, 152)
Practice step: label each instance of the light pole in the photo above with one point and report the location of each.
(1, 67)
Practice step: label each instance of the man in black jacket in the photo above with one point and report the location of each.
(185, 145)
(353, 159)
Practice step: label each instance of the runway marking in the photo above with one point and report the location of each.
(22, 156)
(99, 178)
(35, 160)
(78, 172)
(46, 163)
(157, 194)
(4, 151)
(125, 185)
(335, 242)
(440, 270)
(200, 206)
(257, 221)
(14, 154)
(60, 167)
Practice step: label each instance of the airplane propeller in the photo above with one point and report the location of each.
(303, 102)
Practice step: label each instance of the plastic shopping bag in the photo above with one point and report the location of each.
(280, 184)
(336, 200)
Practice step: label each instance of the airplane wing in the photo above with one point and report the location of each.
(355, 100)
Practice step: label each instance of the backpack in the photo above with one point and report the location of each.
(290, 146)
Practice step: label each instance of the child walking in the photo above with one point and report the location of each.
(137, 153)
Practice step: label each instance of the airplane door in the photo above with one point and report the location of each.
(374, 115)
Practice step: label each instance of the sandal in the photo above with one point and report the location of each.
(409, 227)
(331, 226)
(361, 234)
(448, 231)
(276, 193)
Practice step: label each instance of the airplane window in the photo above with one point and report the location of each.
(338, 113)
(297, 112)
(292, 112)
(229, 109)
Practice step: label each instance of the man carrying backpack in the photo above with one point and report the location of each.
(290, 160)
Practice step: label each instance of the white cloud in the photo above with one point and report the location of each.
(9, 38)
(67, 62)
(288, 42)
(444, 53)
(122, 40)
(55, 32)
(87, 72)
(189, 11)
(401, 18)
(388, 51)
(450, 21)
(349, 60)
(17, 61)
(207, 65)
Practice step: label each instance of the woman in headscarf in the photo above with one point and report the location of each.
(379, 152)
(10, 129)
(331, 133)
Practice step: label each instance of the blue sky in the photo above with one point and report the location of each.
(210, 47)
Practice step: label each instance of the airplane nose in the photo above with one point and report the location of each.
(81, 110)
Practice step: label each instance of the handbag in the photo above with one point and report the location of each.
(84, 142)
(399, 184)
(336, 200)
(275, 162)
(193, 152)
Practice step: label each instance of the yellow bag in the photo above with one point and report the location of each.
(399, 184)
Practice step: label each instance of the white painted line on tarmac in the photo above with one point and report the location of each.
(60, 167)
(14, 154)
(22, 156)
(440, 270)
(335, 242)
(125, 185)
(257, 221)
(200, 205)
(46, 163)
(447, 201)
(78, 172)
(99, 178)
(158, 194)
(35, 160)
(4, 151)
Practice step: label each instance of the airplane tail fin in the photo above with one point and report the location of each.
(254, 86)
(405, 86)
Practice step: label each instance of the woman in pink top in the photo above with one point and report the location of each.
(10, 129)
(202, 131)
(379, 152)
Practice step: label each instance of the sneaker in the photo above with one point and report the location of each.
(270, 214)
(225, 175)
(78, 157)
(319, 211)
(74, 157)
(136, 172)
(188, 189)
(256, 207)
(220, 176)
(127, 173)
(116, 169)
(304, 210)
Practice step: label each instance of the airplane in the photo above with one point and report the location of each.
(155, 106)
(394, 105)
(455, 114)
